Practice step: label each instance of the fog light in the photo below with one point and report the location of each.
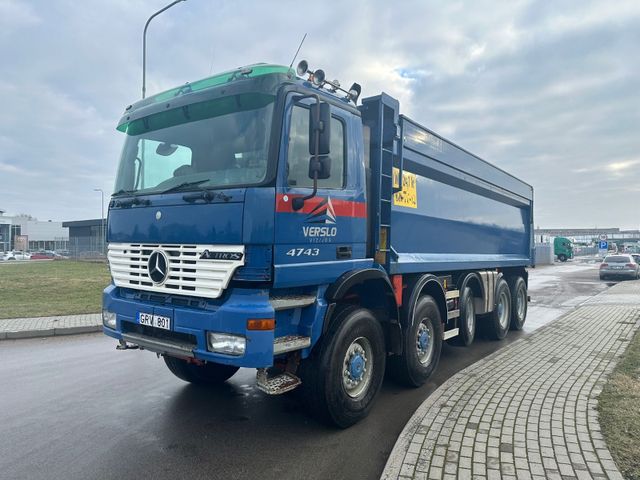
(109, 319)
(227, 344)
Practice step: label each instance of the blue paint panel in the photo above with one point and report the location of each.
(209, 223)
(258, 222)
(430, 144)
(452, 220)
(315, 273)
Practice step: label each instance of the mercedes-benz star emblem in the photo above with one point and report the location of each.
(158, 266)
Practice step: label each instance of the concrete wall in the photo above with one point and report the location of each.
(544, 254)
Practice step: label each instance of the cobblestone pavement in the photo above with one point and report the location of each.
(528, 410)
(48, 326)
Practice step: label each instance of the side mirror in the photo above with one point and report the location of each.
(322, 165)
(320, 124)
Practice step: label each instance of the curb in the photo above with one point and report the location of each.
(49, 332)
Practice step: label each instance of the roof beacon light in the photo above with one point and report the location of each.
(319, 80)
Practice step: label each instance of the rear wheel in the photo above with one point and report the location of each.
(518, 289)
(422, 345)
(562, 257)
(467, 320)
(500, 318)
(343, 375)
(207, 374)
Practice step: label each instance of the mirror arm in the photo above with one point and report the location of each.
(298, 202)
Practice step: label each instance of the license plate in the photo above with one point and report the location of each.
(617, 268)
(157, 321)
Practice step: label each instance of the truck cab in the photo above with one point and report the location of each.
(563, 248)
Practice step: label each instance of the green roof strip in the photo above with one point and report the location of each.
(252, 71)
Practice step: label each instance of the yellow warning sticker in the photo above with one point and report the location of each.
(408, 196)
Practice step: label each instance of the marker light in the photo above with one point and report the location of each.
(261, 324)
(227, 344)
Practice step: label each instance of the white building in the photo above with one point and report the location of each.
(41, 235)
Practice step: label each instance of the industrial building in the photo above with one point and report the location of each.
(86, 237)
(25, 233)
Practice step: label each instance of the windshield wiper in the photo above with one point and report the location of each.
(206, 195)
(183, 185)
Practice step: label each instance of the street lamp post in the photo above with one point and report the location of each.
(144, 43)
(101, 216)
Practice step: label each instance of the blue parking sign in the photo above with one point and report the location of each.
(603, 245)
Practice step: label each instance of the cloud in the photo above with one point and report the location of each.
(546, 90)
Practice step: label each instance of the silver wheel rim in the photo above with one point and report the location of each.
(470, 316)
(520, 304)
(503, 310)
(357, 367)
(424, 341)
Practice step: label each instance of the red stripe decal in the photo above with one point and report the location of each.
(342, 208)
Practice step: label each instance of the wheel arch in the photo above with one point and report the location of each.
(427, 284)
(372, 289)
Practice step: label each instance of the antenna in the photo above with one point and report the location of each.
(297, 51)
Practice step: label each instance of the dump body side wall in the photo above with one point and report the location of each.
(456, 211)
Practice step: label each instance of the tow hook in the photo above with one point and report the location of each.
(122, 345)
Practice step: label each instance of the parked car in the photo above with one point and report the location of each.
(636, 257)
(44, 255)
(16, 255)
(619, 266)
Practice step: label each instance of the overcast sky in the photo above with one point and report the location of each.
(549, 91)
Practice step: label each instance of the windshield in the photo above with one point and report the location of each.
(212, 144)
(617, 259)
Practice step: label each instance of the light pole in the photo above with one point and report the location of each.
(144, 43)
(101, 216)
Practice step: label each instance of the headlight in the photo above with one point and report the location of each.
(227, 344)
(109, 319)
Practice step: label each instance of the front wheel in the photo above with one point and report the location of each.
(343, 375)
(206, 374)
(500, 318)
(422, 345)
(562, 257)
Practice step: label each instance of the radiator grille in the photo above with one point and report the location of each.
(187, 274)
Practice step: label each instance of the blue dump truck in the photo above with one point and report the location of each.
(263, 219)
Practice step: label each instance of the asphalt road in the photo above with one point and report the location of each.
(75, 408)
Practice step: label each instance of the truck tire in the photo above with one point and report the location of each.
(562, 257)
(207, 374)
(518, 289)
(421, 347)
(343, 375)
(500, 319)
(467, 319)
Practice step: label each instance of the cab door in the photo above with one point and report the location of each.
(327, 236)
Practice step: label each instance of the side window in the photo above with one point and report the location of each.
(298, 152)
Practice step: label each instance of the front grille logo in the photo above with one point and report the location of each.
(158, 267)
(209, 255)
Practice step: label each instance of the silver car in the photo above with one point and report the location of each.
(619, 266)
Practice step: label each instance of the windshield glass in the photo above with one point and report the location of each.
(212, 144)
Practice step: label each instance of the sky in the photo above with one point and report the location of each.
(549, 91)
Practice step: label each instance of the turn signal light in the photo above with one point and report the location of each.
(261, 324)
(602, 265)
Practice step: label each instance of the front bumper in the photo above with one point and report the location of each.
(189, 327)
